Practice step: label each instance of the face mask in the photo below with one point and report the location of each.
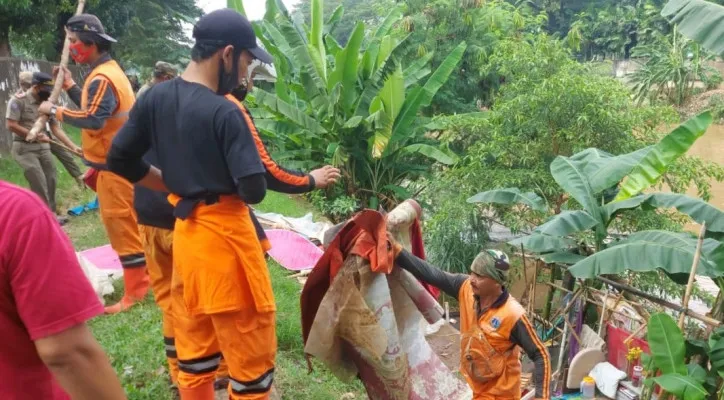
(80, 52)
(43, 95)
(240, 92)
(227, 82)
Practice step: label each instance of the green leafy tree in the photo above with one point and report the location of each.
(24, 17)
(355, 106)
(584, 224)
(371, 12)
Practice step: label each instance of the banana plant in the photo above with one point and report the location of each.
(667, 365)
(699, 20)
(356, 106)
(586, 177)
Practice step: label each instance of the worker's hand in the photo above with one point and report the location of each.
(68, 81)
(393, 246)
(42, 138)
(45, 107)
(325, 176)
(20, 94)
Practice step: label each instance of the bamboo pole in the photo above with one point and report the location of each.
(603, 314)
(612, 310)
(692, 275)
(703, 318)
(59, 79)
(535, 283)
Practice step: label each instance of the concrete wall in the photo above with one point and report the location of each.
(10, 68)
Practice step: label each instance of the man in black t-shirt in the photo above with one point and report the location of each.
(221, 295)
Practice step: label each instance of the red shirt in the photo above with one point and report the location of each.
(43, 292)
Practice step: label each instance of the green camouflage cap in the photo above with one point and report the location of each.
(493, 264)
(162, 67)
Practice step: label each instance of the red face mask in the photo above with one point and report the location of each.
(80, 52)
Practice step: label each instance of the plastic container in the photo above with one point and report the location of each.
(588, 388)
(637, 376)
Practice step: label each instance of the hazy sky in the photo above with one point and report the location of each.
(254, 8)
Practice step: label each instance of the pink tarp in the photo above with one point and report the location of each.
(292, 250)
(103, 257)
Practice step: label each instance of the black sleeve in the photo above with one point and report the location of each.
(75, 94)
(281, 186)
(525, 336)
(130, 145)
(242, 157)
(422, 270)
(252, 188)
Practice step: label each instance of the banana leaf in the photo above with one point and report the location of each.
(237, 5)
(509, 197)
(301, 54)
(667, 344)
(606, 171)
(716, 356)
(384, 29)
(539, 243)
(571, 178)
(568, 222)
(334, 19)
(647, 251)
(293, 114)
(431, 152)
(562, 257)
(346, 68)
(699, 20)
(392, 96)
(374, 84)
(699, 210)
(664, 153)
(316, 37)
(424, 97)
(682, 386)
(413, 72)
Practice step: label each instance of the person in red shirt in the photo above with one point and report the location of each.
(46, 349)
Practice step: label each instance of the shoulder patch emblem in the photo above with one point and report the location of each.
(495, 322)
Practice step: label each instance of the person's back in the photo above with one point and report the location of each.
(189, 132)
(45, 300)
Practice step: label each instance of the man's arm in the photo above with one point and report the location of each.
(59, 133)
(12, 118)
(129, 146)
(15, 127)
(100, 107)
(54, 300)
(79, 364)
(525, 336)
(423, 271)
(242, 156)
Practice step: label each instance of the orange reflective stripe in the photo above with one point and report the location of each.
(269, 164)
(542, 349)
(98, 98)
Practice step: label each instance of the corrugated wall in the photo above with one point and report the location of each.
(10, 69)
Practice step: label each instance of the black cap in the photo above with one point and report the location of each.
(88, 23)
(227, 27)
(41, 78)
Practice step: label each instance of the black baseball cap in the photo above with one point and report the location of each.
(88, 23)
(227, 27)
(41, 78)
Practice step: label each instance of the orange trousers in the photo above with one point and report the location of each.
(222, 291)
(158, 244)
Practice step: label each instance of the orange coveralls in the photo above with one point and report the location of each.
(115, 194)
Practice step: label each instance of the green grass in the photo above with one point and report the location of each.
(133, 340)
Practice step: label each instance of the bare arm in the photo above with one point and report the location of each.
(59, 133)
(15, 127)
(153, 180)
(79, 364)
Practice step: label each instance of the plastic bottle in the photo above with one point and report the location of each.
(637, 376)
(588, 388)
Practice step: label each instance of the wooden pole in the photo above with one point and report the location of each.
(654, 299)
(603, 314)
(59, 79)
(549, 297)
(692, 276)
(535, 283)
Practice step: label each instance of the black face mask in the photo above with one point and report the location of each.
(43, 95)
(227, 82)
(240, 92)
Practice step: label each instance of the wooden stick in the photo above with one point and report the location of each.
(631, 336)
(64, 147)
(612, 310)
(603, 314)
(692, 276)
(535, 283)
(59, 79)
(573, 330)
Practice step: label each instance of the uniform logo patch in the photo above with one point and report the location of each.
(495, 322)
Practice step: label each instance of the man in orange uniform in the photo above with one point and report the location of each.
(222, 295)
(156, 223)
(105, 100)
(493, 326)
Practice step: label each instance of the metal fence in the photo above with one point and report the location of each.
(10, 69)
